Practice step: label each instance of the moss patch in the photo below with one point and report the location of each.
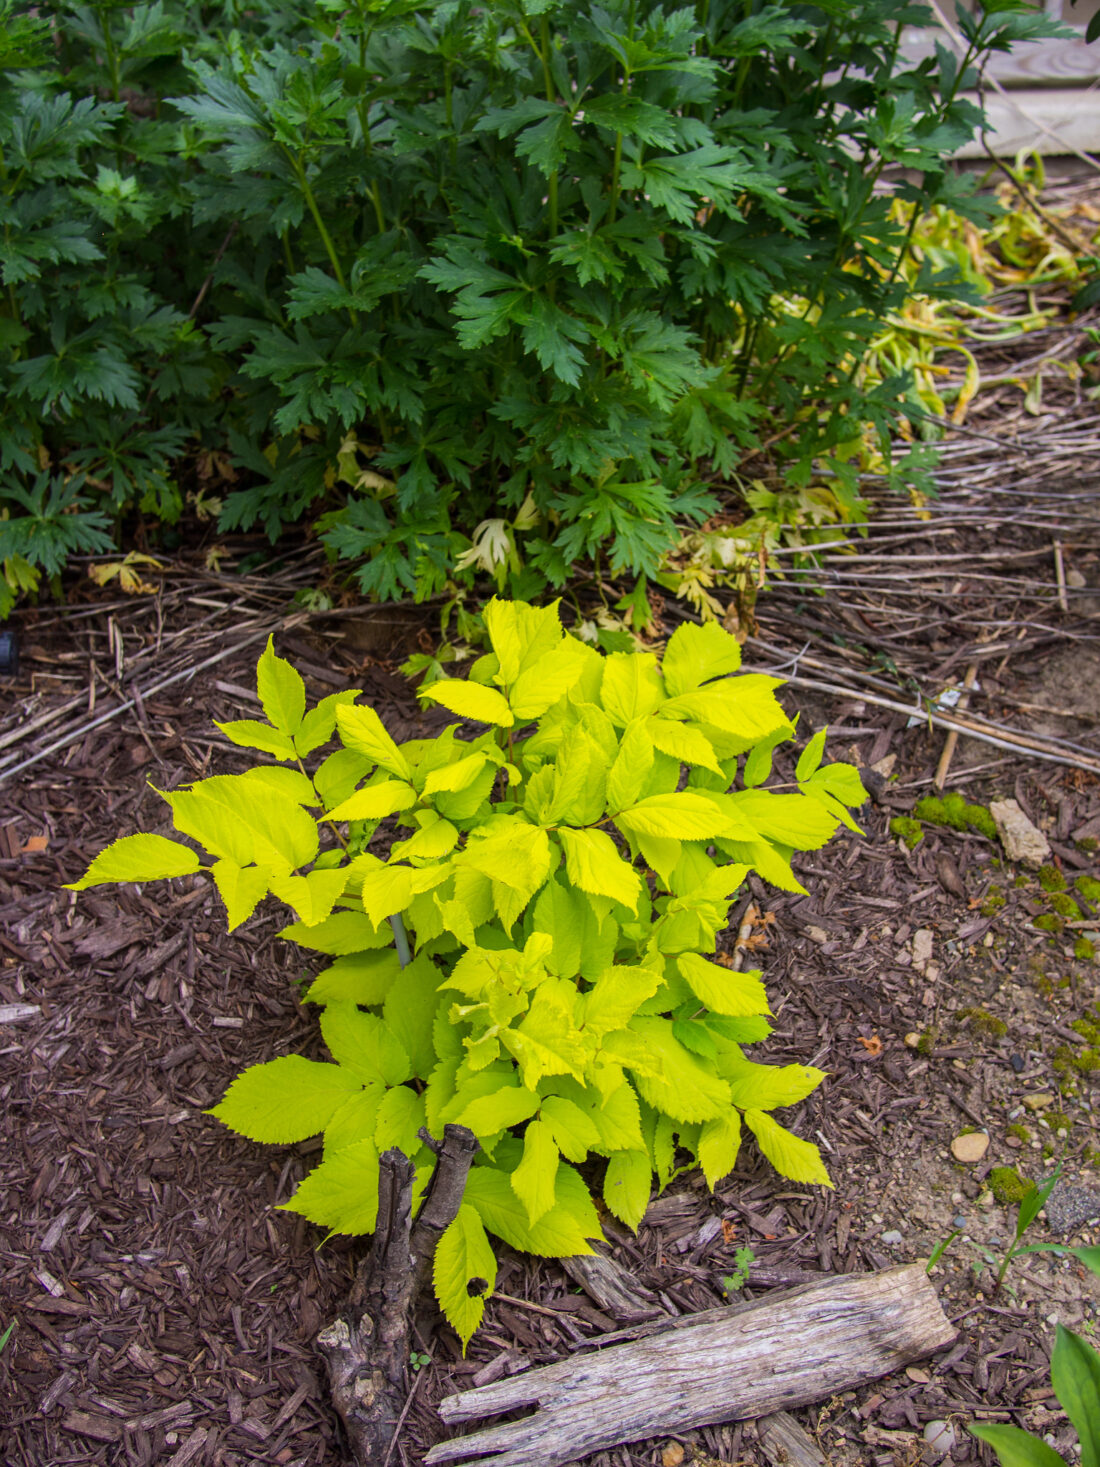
(1051, 879)
(954, 812)
(981, 1022)
(904, 828)
(1064, 905)
(1057, 1120)
(1007, 1185)
(1084, 950)
(1021, 1132)
(1089, 888)
(1050, 922)
(992, 902)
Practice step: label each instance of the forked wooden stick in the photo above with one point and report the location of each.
(724, 1365)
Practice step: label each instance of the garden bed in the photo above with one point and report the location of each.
(165, 1311)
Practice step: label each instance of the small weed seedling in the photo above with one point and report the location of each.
(743, 1260)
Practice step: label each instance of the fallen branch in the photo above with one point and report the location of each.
(725, 1365)
(366, 1349)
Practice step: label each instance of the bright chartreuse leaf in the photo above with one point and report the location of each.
(573, 1129)
(241, 888)
(319, 724)
(677, 1083)
(616, 997)
(791, 820)
(499, 1111)
(533, 1179)
(719, 1143)
(342, 933)
(342, 1193)
(400, 1117)
(547, 680)
(594, 865)
(362, 732)
(282, 691)
(355, 1120)
(626, 1186)
(745, 706)
(138, 858)
(560, 1233)
(388, 890)
(698, 654)
(375, 802)
(789, 1154)
(364, 1045)
(723, 990)
(811, 756)
(767, 1087)
(292, 784)
(631, 686)
(464, 1272)
(312, 896)
(287, 1099)
(469, 700)
(630, 771)
(683, 743)
(358, 977)
(678, 816)
(236, 817)
(250, 733)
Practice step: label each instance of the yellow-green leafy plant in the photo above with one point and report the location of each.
(533, 956)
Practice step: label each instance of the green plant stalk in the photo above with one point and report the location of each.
(548, 83)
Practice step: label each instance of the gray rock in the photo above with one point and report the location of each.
(1022, 840)
(1069, 1208)
(893, 1239)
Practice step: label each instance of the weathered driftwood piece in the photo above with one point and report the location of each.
(724, 1365)
(366, 1349)
(612, 1287)
(785, 1444)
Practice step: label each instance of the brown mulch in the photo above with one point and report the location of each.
(166, 1309)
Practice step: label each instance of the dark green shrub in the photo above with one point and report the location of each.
(495, 287)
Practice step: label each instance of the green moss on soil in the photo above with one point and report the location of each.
(1089, 888)
(1090, 845)
(1057, 1120)
(981, 1022)
(992, 902)
(954, 812)
(1084, 950)
(927, 1042)
(1007, 1185)
(1051, 879)
(1020, 1131)
(902, 827)
(1088, 1031)
(1065, 906)
(1050, 922)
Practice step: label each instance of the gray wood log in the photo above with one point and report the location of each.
(612, 1287)
(785, 1444)
(746, 1361)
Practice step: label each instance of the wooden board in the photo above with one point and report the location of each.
(1031, 64)
(1051, 122)
(728, 1364)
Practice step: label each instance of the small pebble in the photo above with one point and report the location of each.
(1038, 1102)
(958, 1222)
(893, 1238)
(1018, 1063)
(970, 1148)
(940, 1436)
